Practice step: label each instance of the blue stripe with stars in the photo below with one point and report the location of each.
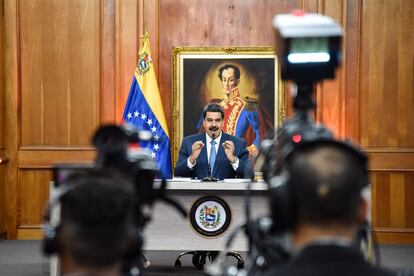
(138, 112)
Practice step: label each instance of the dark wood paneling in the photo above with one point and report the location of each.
(54, 52)
(127, 46)
(380, 199)
(386, 82)
(33, 194)
(32, 199)
(2, 121)
(47, 157)
(391, 206)
(60, 71)
(387, 78)
(2, 199)
(2, 82)
(70, 64)
(391, 159)
(330, 93)
(212, 23)
(350, 70)
(408, 200)
(11, 77)
(108, 62)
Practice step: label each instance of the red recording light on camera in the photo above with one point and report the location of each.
(297, 138)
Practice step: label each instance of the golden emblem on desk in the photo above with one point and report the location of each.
(210, 216)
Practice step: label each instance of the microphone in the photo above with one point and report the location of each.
(210, 178)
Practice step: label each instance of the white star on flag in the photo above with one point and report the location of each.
(143, 116)
(136, 113)
(129, 115)
(149, 122)
(153, 155)
(154, 129)
(156, 137)
(156, 147)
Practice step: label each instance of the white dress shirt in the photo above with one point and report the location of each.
(235, 165)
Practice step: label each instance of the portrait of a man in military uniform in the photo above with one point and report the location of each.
(242, 115)
(245, 88)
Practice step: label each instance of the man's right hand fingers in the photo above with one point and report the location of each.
(198, 145)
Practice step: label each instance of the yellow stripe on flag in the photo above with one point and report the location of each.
(149, 86)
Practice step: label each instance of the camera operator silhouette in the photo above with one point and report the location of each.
(322, 183)
(96, 233)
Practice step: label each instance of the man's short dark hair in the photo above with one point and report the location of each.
(327, 181)
(228, 66)
(213, 107)
(96, 224)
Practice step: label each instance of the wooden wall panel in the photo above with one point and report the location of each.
(33, 193)
(59, 66)
(54, 52)
(2, 83)
(108, 62)
(212, 23)
(386, 82)
(387, 78)
(70, 64)
(350, 69)
(11, 107)
(329, 94)
(392, 205)
(2, 121)
(3, 228)
(127, 46)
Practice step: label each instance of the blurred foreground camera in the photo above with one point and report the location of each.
(308, 46)
(118, 153)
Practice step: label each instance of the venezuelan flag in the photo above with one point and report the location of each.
(144, 109)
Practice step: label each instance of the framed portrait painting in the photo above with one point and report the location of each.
(253, 102)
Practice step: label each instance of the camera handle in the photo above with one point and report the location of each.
(303, 97)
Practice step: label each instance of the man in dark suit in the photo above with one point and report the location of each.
(325, 181)
(213, 153)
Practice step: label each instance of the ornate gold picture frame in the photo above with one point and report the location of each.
(196, 82)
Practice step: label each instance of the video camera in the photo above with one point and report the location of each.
(309, 50)
(114, 151)
(117, 150)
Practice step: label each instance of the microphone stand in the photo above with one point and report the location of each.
(210, 178)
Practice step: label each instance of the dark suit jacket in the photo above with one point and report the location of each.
(328, 260)
(222, 166)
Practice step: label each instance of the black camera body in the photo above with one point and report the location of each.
(113, 151)
(308, 46)
(309, 50)
(115, 154)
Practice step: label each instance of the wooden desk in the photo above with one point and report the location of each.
(168, 230)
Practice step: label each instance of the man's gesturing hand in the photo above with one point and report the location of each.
(195, 150)
(229, 150)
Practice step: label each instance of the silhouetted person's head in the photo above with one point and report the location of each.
(96, 229)
(327, 180)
